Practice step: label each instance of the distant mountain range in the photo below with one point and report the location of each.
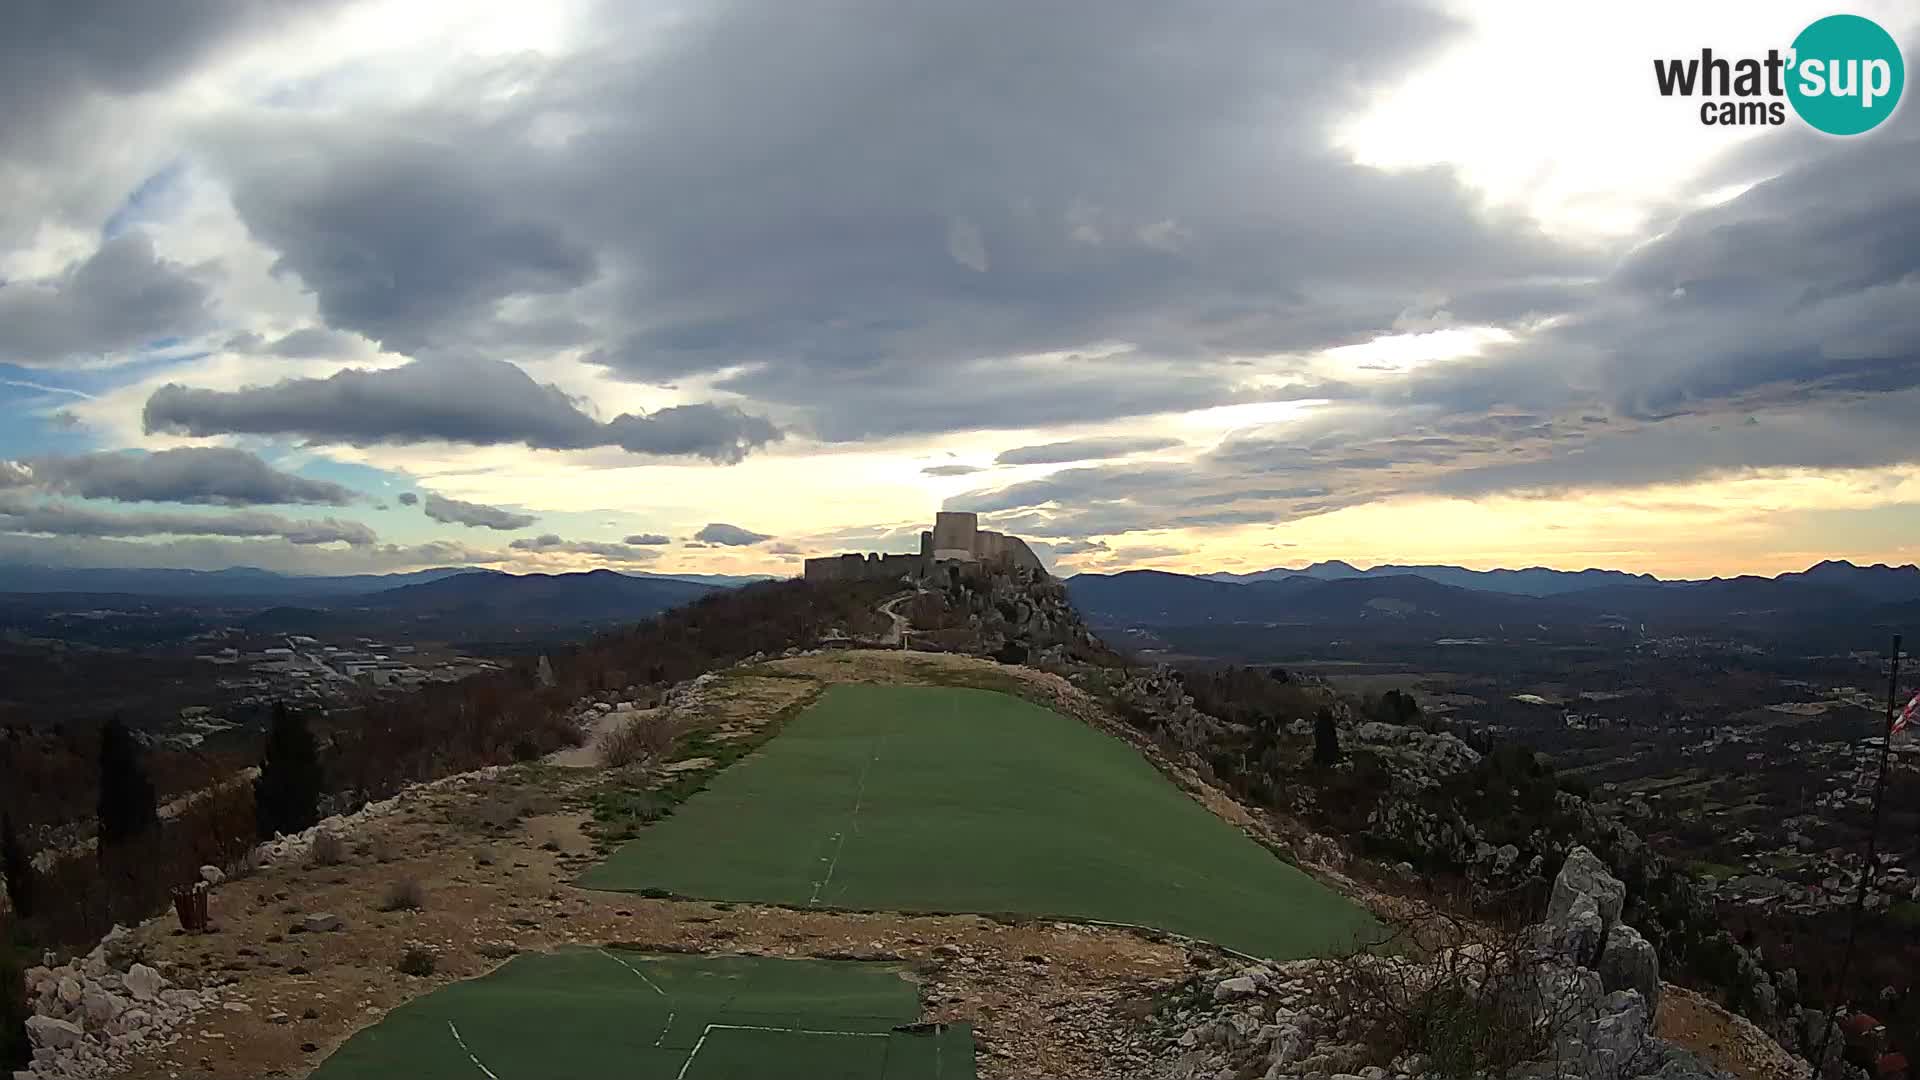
(1533, 581)
(1451, 597)
(488, 595)
(244, 582)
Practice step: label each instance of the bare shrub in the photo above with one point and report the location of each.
(1473, 999)
(404, 894)
(639, 740)
(416, 960)
(329, 849)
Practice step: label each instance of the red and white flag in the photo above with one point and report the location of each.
(1905, 719)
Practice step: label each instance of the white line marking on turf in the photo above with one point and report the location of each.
(711, 1028)
(470, 1056)
(801, 1031)
(671, 1013)
(852, 824)
(636, 971)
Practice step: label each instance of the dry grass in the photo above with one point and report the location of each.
(404, 894)
(417, 961)
(329, 849)
(639, 740)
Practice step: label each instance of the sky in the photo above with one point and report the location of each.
(346, 286)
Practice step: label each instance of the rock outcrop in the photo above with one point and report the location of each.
(1586, 984)
(98, 1014)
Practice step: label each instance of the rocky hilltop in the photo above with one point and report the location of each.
(319, 934)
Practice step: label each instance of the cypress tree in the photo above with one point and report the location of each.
(286, 796)
(15, 1051)
(18, 868)
(1326, 738)
(128, 806)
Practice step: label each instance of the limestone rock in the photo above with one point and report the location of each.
(1577, 933)
(320, 923)
(1583, 872)
(101, 1006)
(53, 1034)
(1235, 988)
(144, 983)
(1628, 962)
(212, 875)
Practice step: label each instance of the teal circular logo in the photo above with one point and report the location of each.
(1847, 75)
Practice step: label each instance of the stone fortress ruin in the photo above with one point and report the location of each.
(955, 543)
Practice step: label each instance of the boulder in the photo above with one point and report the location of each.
(1628, 962)
(1504, 857)
(1577, 933)
(212, 875)
(101, 1007)
(1584, 873)
(320, 923)
(53, 1034)
(1235, 988)
(144, 983)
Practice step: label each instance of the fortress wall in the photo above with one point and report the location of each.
(955, 538)
(856, 567)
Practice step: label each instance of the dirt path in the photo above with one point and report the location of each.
(587, 754)
(897, 633)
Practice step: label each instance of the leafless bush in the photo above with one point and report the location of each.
(417, 960)
(639, 740)
(404, 894)
(1474, 1000)
(329, 849)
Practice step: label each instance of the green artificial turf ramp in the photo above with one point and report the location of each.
(956, 800)
(608, 1014)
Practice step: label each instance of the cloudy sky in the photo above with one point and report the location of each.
(364, 285)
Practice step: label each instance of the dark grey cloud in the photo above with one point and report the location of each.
(120, 297)
(80, 82)
(53, 51)
(951, 470)
(67, 519)
(939, 192)
(551, 544)
(214, 476)
(218, 553)
(447, 244)
(408, 498)
(1083, 450)
(729, 535)
(482, 402)
(474, 515)
(647, 540)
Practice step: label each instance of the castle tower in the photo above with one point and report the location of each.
(955, 535)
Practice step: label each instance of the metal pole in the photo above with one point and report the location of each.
(1873, 845)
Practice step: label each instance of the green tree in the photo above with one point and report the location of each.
(18, 868)
(1326, 738)
(286, 796)
(128, 806)
(1396, 707)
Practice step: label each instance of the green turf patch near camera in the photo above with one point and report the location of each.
(935, 799)
(612, 1014)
